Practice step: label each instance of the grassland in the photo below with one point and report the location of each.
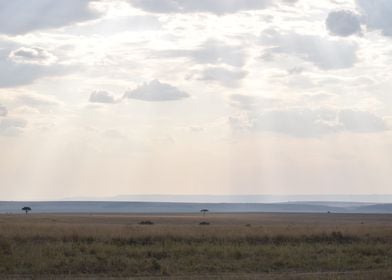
(233, 246)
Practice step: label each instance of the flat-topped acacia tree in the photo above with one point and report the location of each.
(204, 211)
(26, 209)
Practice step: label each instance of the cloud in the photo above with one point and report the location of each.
(101, 97)
(253, 103)
(362, 122)
(324, 53)
(311, 123)
(23, 16)
(3, 111)
(32, 55)
(377, 14)
(21, 72)
(12, 126)
(243, 102)
(228, 78)
(343, 23)
(156, 91)
(212, 52)
(113, 134)
(35, 100)
(300, 123)
(218, 7)
(119, 24)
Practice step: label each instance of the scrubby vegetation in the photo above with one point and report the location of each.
(146, 223)
(47, 246)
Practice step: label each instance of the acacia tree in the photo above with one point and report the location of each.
(26, 209)
(204, 211)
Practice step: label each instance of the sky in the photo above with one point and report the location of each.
(225, 97)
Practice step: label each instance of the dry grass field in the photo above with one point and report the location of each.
(232, 246)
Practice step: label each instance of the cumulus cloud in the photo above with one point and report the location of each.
(311, 123)
(12, 126)
(343, 23)
(32, 55)
(377, 14)
(23, 16)
(156, 91)
(101, 97)
(218, 7)
(326, 54)
(212, 52)
(226, 77)
(21, 72)
(3, 111)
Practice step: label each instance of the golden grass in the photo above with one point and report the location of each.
(176, 245)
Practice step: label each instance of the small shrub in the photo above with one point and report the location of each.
(146, 223)
(204, 223)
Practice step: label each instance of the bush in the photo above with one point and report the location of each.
(204, 223)
(146, 223)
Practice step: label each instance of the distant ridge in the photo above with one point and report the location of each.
(370, 199)
(170, 207)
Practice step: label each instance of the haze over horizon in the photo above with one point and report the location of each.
(229, 97)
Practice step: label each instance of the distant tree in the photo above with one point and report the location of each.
(26, 209)
(204, 211)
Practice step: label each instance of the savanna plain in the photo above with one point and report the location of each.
(193, 246)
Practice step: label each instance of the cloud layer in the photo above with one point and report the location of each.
(32, 55)
(377, 15)
(25, 65)
(211, 52)
(218, 7)
(156, 91)
(22, 16)
(227, 77)
(312, 123)
(12, 126)
(323, 52)
(101, 97)
(3, 111)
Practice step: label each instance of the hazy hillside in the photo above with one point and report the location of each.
(168, 207)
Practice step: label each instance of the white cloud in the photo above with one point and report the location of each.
(119, 24)
(212, 52)
(253, 103)
(359, 121)
(101, 97)
(377, 14)
(299, 122)
(227, 77)
(17, 73)
(12, 126)
(36, 101)
(343, 23)
(156, 91)
(218, 7)
(23, 16)
(326, 54)
(32, 55)
(3, 111)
